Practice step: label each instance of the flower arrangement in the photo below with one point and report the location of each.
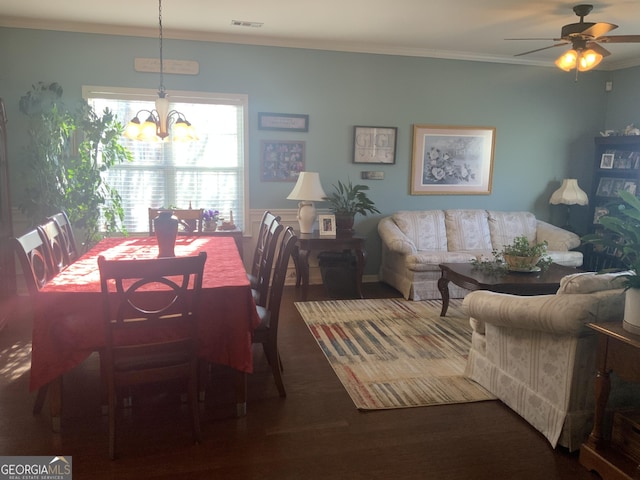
(210, 215)
(519, 256)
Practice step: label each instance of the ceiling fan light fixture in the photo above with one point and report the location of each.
(567, 61)
(588, 59)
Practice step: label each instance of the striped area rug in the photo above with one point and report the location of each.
(394, 353)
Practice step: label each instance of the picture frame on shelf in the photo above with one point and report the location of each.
(289, 122)
(327, 224)
(630, 186)
(374, 144)
(604, 187)
(281, 160)
(606, 161)
(599, 212)
(452, 160)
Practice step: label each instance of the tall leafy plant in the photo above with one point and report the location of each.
(68, 151)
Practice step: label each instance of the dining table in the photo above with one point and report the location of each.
(68, 323)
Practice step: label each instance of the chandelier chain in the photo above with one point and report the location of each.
(161, 61)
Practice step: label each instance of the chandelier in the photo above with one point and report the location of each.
(156, 126)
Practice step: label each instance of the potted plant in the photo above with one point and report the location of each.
(67, 152)
(346, 201)
(622, 235)
(519, 256)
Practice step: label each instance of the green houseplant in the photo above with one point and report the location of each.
(518, 256)
(622, 235)
(346, 201)
(67, 152)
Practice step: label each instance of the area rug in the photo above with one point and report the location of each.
(394, 353)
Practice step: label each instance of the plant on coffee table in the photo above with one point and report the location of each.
(520, 255)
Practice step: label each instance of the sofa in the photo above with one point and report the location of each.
(414, 243)
(537, 356)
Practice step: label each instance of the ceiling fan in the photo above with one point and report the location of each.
(585, 39)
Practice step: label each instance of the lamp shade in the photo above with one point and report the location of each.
(569, 193)
(308, 188)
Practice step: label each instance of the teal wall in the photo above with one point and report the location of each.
(545, 120)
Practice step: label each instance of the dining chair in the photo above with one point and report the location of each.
(150, 323)
(267, 332)
(32, 253)
(262, 282)
(63, 222)
(190, 219)
(57, 249)
(262, 244)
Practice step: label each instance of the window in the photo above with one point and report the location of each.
(209, 173)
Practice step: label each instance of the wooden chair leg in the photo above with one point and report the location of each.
(276, 369)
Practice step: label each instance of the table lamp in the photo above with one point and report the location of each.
(569, 194)
(307, 190)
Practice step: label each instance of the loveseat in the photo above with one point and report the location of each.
(537, 356)
(414, 243)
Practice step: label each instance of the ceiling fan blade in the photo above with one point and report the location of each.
(540, 49)
(598, 48)
(598, 29)
(620, 39)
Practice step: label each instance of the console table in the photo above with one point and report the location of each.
(619, 351)
(314, 241)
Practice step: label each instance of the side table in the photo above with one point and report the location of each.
(619, 351)
(314, 241)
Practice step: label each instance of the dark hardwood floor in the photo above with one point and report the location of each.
(314, 433)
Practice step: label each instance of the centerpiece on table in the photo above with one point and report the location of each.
(519, 256)
(210, 219)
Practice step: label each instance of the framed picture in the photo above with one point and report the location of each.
(290, 122)
(604, 187)
(630, 186)
(452, 160)
(281, 161)
(374, 144)
(327, 224)
(607, 160)
(599, 212)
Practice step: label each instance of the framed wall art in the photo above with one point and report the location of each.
(374, 144)
(281, 161)
(452, 160)
(289, 122)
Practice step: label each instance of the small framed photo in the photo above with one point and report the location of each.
(374, 144)
(607, 160)
(630, 186)
(599, 212)
(327, 224)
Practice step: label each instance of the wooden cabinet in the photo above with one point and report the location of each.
(616, 167)
(7, 266)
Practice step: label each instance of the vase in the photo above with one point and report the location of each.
(631, 321)
(344, 222)
(210, 226)
(166, 228)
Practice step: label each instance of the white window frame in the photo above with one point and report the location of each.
(146, 94)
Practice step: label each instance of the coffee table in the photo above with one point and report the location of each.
(516, 283)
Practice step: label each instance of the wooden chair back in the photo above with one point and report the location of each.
(57, 245)
(267, 332)
(147, 299)
(34, 258)
(190, 220)
(265, 270)
(262, 245)
(63, 222)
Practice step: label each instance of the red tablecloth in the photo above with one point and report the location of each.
(68, 324)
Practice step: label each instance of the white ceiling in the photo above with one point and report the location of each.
(457, 29)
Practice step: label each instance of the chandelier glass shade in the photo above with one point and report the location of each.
(157, 122)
